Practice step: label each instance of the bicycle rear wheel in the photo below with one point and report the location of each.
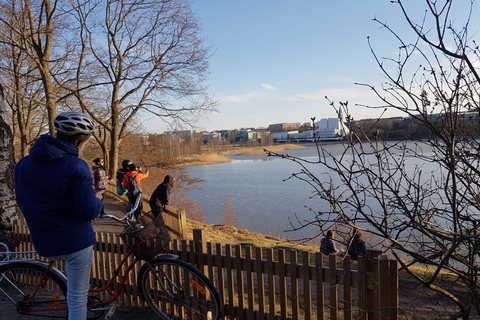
(28, 288)
(176, 290)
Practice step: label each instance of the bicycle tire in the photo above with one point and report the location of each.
(176, 290)
(18, 280)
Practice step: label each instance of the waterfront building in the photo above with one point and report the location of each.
(328, 129)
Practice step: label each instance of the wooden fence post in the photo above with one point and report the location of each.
(384, 287)
(332, 280)
(388, 288)
(362, 288)
(198, 236)
(183, 223)
(200, 248)
(347, 288)
(393, 289)
(320, 286)
(372, 294)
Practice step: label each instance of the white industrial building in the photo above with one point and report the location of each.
(329, 129)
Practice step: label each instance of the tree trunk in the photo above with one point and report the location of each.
(8, 206)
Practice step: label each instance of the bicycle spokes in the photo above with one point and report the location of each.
(176, 290)
(34, 291)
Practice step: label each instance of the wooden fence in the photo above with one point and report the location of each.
(266, 284)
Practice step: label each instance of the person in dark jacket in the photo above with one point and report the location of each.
(120, 176)
(54, 191)
(161, 195)
(357, 247)
(100, 179)
(327, 244)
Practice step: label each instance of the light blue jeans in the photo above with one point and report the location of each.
(78, 266)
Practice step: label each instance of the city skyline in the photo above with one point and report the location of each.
(276, 61)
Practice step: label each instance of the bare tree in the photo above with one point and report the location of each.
(228, 217)
(147, 58)
(38, 39)
(419, 199)
(24, 95)
(30, 26)
(115, 60)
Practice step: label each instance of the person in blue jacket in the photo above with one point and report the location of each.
(54, 191)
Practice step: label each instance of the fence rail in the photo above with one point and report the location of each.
(265, 284)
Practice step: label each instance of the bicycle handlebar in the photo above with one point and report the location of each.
(128, 214)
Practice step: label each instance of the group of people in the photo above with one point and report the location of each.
(356, 247)
(128, 171)
(59, 210)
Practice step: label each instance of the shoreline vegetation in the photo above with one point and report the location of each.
(224, 156)
(238, 236)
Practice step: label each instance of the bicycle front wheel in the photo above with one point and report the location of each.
(176, 290)
(31, 289)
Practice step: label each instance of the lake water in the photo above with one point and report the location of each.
(263, 201)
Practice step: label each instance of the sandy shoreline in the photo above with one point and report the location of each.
(223, 157)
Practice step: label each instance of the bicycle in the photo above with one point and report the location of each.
(172, 288)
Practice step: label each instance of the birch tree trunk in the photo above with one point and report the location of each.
(8, 206)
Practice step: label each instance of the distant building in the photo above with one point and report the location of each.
(210, 136)
(329, 129)
(279, 127)
(184, 134)
(282, 135)
(248, 135)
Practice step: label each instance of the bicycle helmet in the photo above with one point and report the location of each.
(126, 163)
(72, 122)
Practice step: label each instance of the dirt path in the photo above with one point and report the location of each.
(114, 207)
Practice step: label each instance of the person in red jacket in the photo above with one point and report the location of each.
(131, 182)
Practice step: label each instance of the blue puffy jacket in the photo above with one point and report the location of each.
(54, 191)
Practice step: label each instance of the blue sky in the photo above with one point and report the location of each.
(276, 60)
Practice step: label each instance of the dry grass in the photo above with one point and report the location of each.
(261, 150)
(234, 236)
(222, 157)
(203, 159)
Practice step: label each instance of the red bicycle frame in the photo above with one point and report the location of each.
(123, 278)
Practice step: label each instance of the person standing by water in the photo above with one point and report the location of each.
(54, 191)
(121, 176)
(133, 178)
(327, 244)
(160, 196)
(100, 179)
